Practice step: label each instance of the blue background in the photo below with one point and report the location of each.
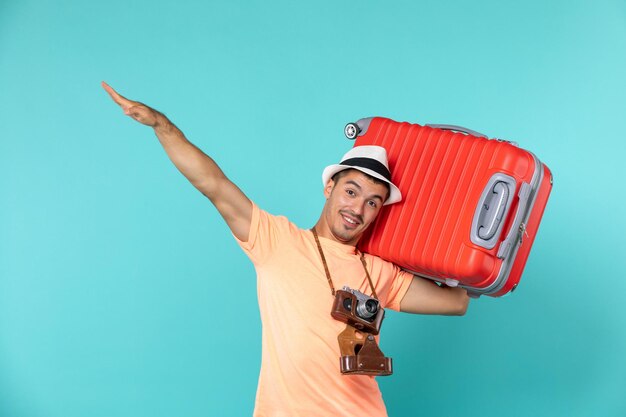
(122, 292)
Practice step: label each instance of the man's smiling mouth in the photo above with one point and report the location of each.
(351, 220)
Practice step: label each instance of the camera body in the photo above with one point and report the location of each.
(358, 310)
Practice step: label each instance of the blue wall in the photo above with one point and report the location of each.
(122, 292)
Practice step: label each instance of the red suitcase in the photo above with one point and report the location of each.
(471, 205)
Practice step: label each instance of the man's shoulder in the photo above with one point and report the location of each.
(376, 259)
(270, 234)
(280, 221)
(384, 265)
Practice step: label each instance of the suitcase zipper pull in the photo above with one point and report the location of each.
(522, 232)
(508, 244)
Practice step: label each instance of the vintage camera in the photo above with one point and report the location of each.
(358, 310)
(360, 354)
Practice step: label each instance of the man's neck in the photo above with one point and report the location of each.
(322, 229)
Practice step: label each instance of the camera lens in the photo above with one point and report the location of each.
(371, 306)
(368, 309)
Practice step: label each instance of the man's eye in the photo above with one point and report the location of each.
(350, 192)
(372, 204)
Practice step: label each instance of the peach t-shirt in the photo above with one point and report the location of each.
(300, 354)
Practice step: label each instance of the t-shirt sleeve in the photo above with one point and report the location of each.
(398, 286)
(263, 237)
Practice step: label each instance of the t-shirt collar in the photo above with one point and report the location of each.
(337, 246)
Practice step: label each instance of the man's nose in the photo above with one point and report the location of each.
(358, 207)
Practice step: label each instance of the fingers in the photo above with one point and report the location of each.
(138, 111)
(111, 91)
(117, 98)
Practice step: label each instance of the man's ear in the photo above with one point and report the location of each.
(328, 188)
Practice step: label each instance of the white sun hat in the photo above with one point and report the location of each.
(371, 160)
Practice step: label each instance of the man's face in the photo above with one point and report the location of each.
(352, 204)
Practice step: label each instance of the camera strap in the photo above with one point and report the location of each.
(330, 280)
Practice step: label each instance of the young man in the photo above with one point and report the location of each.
(298, 271)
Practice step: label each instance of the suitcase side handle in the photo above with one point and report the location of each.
(460, 129)
(491, 210)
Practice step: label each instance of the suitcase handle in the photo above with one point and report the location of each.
(493, 211)
(490, 212)
(455, 128)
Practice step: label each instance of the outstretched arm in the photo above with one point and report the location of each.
(426, 297)
(194, 164)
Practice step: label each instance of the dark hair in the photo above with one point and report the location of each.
(375, 180)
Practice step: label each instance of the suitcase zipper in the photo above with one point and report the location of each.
(522, 232)
(508, 141)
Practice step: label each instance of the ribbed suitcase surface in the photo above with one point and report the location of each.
(443, 177)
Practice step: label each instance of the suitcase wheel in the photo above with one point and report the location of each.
(352, 130)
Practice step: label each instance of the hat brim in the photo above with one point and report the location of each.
(395, 195)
